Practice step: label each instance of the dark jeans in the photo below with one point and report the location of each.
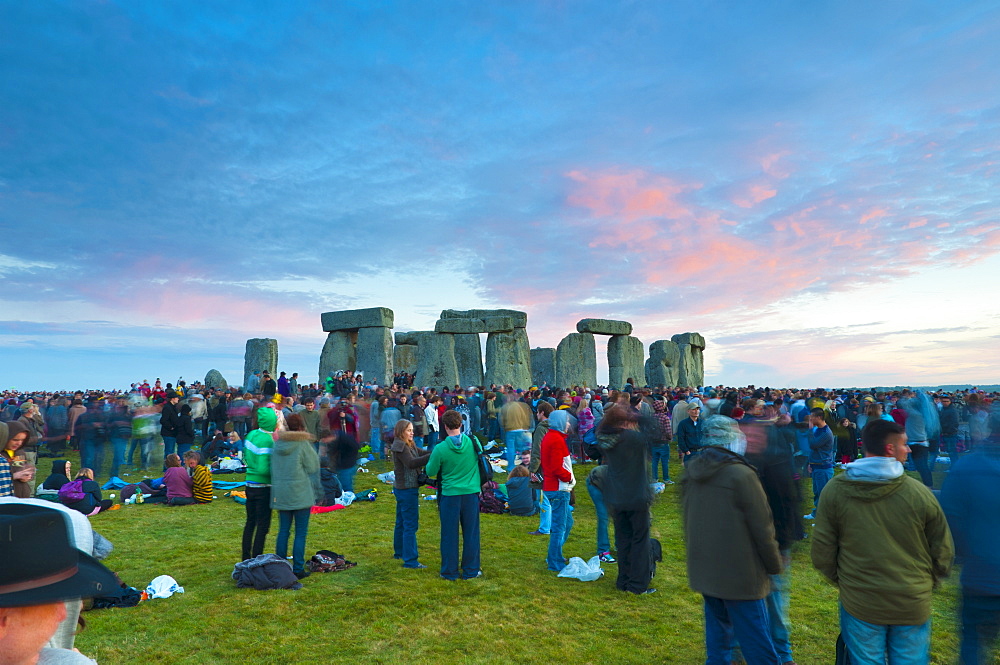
(180, 501)
(118, 445)
(346, 478)
(661, 456)
(980, 628)
(285, 518)
(258, 521)
(632, 539)
(747, 621)
(919, 454)
(169, 447)
(463, 510)
(404, 539)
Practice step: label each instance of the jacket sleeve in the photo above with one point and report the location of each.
(536, 449)
(682, 437)
(939, 542)
(434, 462)
(760, 524)
(826, 537)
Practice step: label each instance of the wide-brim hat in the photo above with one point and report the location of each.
(41, 565)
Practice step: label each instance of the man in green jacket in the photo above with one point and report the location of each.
(883, 539)
(455, 459)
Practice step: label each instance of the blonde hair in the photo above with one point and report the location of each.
(85, 472)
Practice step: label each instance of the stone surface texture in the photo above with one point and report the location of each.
(691, 366)
(469, 359)
(459, 326)
(338, 353)
(576, 361)
(499, 324)
(412, 337)
(261, 354)
(625, 361)
(604, 327)
(404, 358)
(214, 379)
(543, 366)
(661, 367)
(508, 359)
(520, 319)
(436, 366)
(373, 354)
(352, 319)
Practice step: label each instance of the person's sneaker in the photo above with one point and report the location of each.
(668, 482)
(646, 592)
(304, 574)
(607, 558)
(810, 516)
(479, 574)
(537, 533)
(416, 567)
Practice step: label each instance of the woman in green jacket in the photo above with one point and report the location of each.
(295, 489)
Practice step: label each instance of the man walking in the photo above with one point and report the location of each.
(883, 539)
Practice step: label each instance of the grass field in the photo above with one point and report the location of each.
(380, 613)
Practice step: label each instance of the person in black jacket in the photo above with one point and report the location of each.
(185, 431)
(169, 420)
(268, 386)
(689, 433)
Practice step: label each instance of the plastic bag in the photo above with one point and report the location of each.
(389, 477)
(585, 571)
(658, 487)
(345, 499)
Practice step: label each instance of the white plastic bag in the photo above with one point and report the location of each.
(389, 477)
(585, 571)
(163, 586)
(345, 499)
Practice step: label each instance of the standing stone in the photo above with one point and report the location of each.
(404, 358)
(691, 367)
(352, 319)
(661, 368)
(374, 354)
(436, 361)
(576, 361)
(261, 354)
(214, 379)
(508, 359)
(338, 354)
(469, 359)
(543, 366)
(604, 327)
(625, 354)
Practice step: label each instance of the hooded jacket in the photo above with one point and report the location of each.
(731, 548)
(258, 446)
(883, 539)
(295, 480)
(58, 477)
(455, 459)
(406, 464)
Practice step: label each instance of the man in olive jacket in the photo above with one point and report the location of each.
(731, 546)
(883, 539)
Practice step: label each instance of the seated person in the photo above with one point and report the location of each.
(201, 477)
(93, 501)
(180, 486)
(34, 587)
(332, 489)
(519, 495)
(61, 470)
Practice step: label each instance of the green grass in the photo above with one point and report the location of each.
(379, 612)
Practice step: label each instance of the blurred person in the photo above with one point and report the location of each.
(922, 428)
(949, 426)
(882, 538)
(515, 419)
(257, 457)
(821, 455)
(75, 410)
(661, 434)
(16, 473)
(56, 426)
(170, 419)
(185, 430)
(295, 489)
(145, 423)
(407, 461)
(119, 431)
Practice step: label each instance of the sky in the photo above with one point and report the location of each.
(811, 186)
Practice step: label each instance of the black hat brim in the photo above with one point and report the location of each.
(91, 580)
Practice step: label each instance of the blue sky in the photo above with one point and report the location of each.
(810, 185)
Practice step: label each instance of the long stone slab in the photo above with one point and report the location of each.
(469, 359)
(661, 366)
(543, 366)
(436, 366)
(374, 354)
(499, 324)
(604, 327)
(459, 326)
(261, 354)
(520, 318)
(625, 361)
(352, 319)
(576, 361)
(508, 359)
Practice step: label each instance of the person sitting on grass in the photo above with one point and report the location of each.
(519, 494)
(330, 482)
(60, 476)
(179, 483)
(201, 477)
(93, 502)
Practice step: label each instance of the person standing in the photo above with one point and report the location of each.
(283, 388)
(972, 505)
(689, 433)
(268, 386)
(822, 449)
(949, 427)
(882, 538)
(418, 418)
(295, 489)
(662, 434)
(454, 459)
(558, 481)
(257, 456)
(407, 460)
(535, 467)
(170, 419)
(731, 546)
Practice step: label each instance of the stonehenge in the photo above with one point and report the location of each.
(452, 354)
(214, 379)
(261, 354)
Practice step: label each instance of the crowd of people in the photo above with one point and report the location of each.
(880, 535)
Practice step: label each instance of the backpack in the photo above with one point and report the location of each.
(484, 464)
(326, 561)
(72, 492)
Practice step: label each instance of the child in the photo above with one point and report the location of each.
(519, 496)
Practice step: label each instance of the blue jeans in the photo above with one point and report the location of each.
(169, 446)
(950, 445)
(661, 456)
(744, 620)
(870, 644)
(117, 454)
(516, 440)
(285, 517)
(820, 478)
(404, 538)
(461, 509)
(777, 611)
(544, 513)
(603, 541)
(92, 454)
(346, 478)
(980, 627)
(562, 524)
